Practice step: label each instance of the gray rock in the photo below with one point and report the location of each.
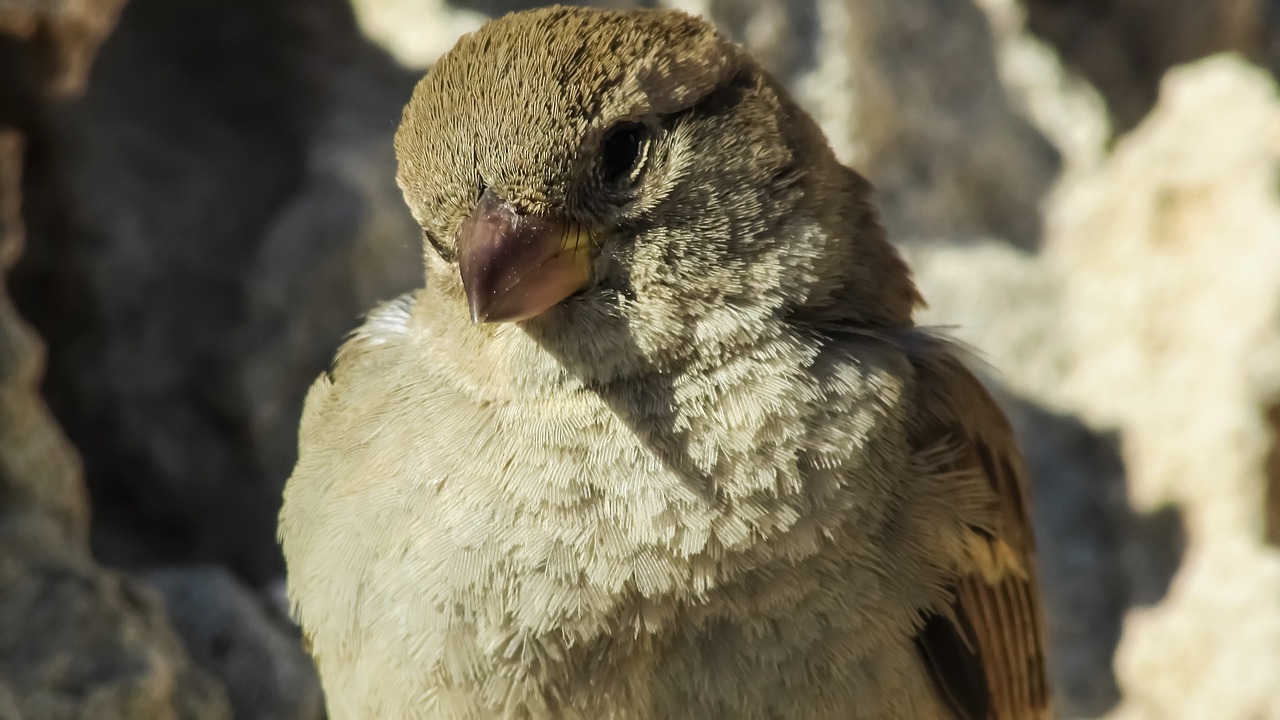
(76, 642)
(208, 221)
(1097, 556)
(231, 633)
(81, 643)
(343, 243)
(8, 703)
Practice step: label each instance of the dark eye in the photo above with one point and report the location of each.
(622, 153)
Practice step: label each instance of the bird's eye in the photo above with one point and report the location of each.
(622, 153)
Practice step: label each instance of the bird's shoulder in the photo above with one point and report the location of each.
(367, 354)
(384, 328)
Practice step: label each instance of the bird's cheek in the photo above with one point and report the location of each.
(515, 266)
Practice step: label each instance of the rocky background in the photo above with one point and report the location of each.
(197, 201)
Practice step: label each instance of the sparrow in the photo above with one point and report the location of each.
(658, 438)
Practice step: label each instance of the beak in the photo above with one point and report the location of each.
(517, 266)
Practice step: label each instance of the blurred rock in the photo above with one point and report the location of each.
(39, 472)
(1081, 514)
(212, 216)
(1097, 557)
(920, 107)
(46, 48)
(1124, 47)
(415, 32)
(342, 243)
(8, 703)
(76, 642)
(230, 633)
(1152, 310)
(81, 643)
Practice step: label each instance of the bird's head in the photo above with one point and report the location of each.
(568, 160)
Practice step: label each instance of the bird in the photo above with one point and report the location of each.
(658, 436)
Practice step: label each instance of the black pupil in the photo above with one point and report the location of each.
(621, 151)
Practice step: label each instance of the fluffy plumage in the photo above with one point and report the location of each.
(728, 478)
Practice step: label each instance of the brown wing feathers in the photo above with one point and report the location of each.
(988, 657)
